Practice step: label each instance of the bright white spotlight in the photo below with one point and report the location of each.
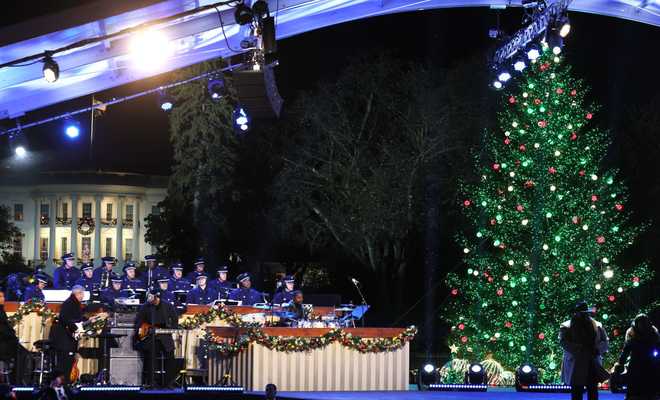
(72, 131)
(526, 369)
(519, 65)
(497, 85)
(533, 54)
(428, 368)
(565, 30)
(476, 368)
(504, 76)
(20, 151)
(150, 49)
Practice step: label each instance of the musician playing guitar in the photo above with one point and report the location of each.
(156, 314)
(64, 334)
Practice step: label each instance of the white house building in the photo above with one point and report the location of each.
(92, 214)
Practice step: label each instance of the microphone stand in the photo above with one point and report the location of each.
(356, 283)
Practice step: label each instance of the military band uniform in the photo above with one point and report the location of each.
(65, 278)
(284, 296)
(198, 295)
(88, 283)
(33, 292)
(247, 296)
(179, 284)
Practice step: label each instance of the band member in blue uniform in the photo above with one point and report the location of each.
(221, 284)
(177, 282)
(103, 274)
(166, 294)
(67, 274)
(286, 294)
(87, 280)
(296, 306)
(109, 295)
(129, 281)
(201, 293)
(245, 293)
(35, 292)
(198, 269)
(153, 272)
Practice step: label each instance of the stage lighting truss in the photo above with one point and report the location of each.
(544, 20)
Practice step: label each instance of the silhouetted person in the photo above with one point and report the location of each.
(271, 392)
(584, 342)
(57, 390)
(642, 346)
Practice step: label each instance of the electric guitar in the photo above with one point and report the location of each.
(146, 329)
(83, 326)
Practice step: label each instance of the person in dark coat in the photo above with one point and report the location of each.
(245, 293)
(87, 280)
(584, 342)
(8, 340)
(221, 284)
(641, 347)
(297, 307)
(156, 314)
(202, 293)
(198, 269)
(286, 294)
(67, 274)
(62, 332)
(35, 292)
(153, 272)
(57, 390)
(103, 274)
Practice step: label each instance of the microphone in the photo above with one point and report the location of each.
(355, 281)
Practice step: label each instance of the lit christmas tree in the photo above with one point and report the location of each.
(546, 228)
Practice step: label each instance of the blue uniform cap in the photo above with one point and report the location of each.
(289, 278)
(86, 267)
(223, 268)
(68, 256)
(177, 266)
(199, 260)
(161, 280)
(108, 259)
(150, 257)
(116, 280)
(41, 278)
(243, 277)
(200, 276)
(128, 266)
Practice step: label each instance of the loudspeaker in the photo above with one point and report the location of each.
(123, 346)
(126, 371)
(257, 92)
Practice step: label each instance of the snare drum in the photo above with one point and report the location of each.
(259, 318)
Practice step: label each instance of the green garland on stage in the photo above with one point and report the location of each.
(223, 313)
(299, 344)
(39, 307)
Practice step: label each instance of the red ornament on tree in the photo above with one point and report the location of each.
(508, 324)
(541, 336)
(507, 141)
(571, 268)
(466, 203)
(618, 207)
(537, 101)
(461, 326)
(464, 339)
(589, 116)
(522, 147)
(493, 221)
(636, 279)
(575, 220)
(616, 332)
(544, 66)
(542, 123)
(559, 90)
(594, 197)
(552, 170)
(512, 100)
(529, 184)
(520, 208)
(496, 167)
(490, 279)
(581, 173)
(600, 239)
(611, 297)
(500, 291)
(573, 92)
(573, 136)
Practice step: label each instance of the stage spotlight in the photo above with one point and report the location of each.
(475, 375)
(150, 49)
(51, 70)
(260, 9)
(428, 375)
(72, 129)
(503, 76)
(519, 65)
(216, 88)
(533, 52)
(165, 101)
(20, 151)
(526, 375)
(18, 145)
(241, 119)
(243, 14)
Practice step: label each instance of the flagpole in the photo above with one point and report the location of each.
(91, 133)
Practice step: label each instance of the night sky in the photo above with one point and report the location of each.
(617, 58)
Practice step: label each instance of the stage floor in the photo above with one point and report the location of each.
(492, 394)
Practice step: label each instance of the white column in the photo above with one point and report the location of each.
(97, 229)
(136, 229)
(120, 231)
(52, 215)
(74, 225)
(37, 230)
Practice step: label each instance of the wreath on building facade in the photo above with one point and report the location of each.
(86, 226)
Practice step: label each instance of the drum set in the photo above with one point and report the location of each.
(343, 316)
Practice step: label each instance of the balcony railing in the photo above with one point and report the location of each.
(128, 223)
(109, 222)
(63, 221)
